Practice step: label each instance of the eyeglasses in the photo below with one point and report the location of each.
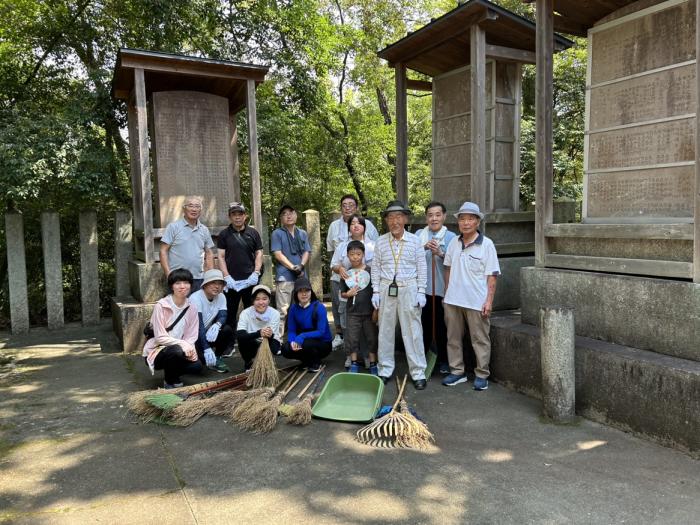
(349, 205)
(193, 206)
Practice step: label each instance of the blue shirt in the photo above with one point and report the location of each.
(309, 322)
(292, 247)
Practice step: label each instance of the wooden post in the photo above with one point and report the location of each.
(142, 163)
(477, 41)
(518, 91)
(543, 115)
(17, 273)
(256, 203)
(401, 134)
(234, 155)
(53, 268)
(696, 240)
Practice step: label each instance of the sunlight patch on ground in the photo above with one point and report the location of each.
(588, 445)
(496, 456)
(376, 505)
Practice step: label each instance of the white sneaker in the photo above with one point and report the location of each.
(337, 341)
(348, 362)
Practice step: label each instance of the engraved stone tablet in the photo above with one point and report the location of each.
(192, 154)
(452, 191)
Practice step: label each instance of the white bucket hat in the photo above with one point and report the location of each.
(471, 208)
(213, 275)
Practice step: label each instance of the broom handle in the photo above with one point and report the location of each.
(292, 385)
(287, 376)
(308, 385)
(432, 258)
(233, 380)
(398, 399)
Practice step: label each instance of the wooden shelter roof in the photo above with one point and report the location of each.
(170, 72)
(575, 17)
(443, 44)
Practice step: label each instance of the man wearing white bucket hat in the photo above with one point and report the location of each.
(471, 270)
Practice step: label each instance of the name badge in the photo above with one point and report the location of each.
(393, 290)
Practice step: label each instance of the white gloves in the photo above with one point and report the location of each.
(213, 332)
(420, 299)
(253, 279)
(230, 283)
(376, 300)
(209, 357)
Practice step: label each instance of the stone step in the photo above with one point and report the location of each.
(653, 395)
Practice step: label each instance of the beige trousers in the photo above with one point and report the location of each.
(283, 300)
(456, 318)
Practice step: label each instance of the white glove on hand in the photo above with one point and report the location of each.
(420, 299)
(375, 301)
(209, 357)
(230, 283)
(253, 279)
(213, 332)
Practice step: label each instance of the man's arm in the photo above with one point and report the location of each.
(305, 258)
(490, 292)
(258, 260)
(208, 259)
(222, 261)
(282, 259)
(164, 247)
(447, 277)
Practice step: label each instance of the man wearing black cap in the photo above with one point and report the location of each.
(240, 260)
(291, 248)
(399, 278)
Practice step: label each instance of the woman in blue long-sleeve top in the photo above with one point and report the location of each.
(308, 334)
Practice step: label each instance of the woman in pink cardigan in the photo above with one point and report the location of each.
(175, 327)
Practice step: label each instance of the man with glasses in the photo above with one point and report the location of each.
(471, 270)
(338, 232)
(291, 249)
(187, 244)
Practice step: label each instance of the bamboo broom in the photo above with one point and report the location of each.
(262, 418)
(264, 371)
(225, 402)
(300, 413)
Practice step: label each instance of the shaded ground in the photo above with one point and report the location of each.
(69, 453)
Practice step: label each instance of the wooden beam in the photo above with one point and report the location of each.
(679, 231)
(696, 242)
(142, 162)
(419, 85)
(509, 54)
(236, 172)
(675, 269)
(256, 200)
(401, 133)
(477, 48)
(543, 134)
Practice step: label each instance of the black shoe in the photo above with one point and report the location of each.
(420, 384)
(385, 380)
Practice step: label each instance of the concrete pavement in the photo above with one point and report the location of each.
(70, 453)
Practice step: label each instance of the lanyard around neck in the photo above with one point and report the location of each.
(396, 257)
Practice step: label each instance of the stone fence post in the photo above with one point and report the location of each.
(122, 252)
(89, 275)
(558, 363)
(312, 221)
(17, 273)
(53, 268)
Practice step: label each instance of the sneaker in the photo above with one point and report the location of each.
(220, 366)
(454, 379)
(373, 369)
(481, 383)
(169, 386)
(354, 368)
(337, 341)
(230, 351)
(444, 369)
(347, 364)
(313, 368)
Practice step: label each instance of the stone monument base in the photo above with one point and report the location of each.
(146, 281)
(653, 395)
(508, 287)
(129, 316)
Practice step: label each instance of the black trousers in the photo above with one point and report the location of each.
(249, 349)
(233, 300)
(440, 327)
(224, 341)
(311, 353)
(173, 362)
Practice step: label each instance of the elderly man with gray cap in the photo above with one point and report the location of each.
(215, 336)
(471, 270)
(399, 278)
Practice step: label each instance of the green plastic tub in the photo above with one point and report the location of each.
(349, 397)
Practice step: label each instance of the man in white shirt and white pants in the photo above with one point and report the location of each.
(471, 270)
(399, 278)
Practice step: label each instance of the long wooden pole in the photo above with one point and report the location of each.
(543, 112)
(401, 134)
(477, 38)
(256, 199)
(696, 240)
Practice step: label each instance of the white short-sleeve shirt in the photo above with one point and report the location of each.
(469, 268)
(208, 309)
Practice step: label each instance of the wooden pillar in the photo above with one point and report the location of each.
(142, 163)
(256, 203)
(696, 242)
(543, 115)
(477, 46)
(401, 134)
(234, 156)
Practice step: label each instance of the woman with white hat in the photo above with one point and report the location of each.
(257, 322)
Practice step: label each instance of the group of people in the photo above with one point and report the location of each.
(433, 284)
